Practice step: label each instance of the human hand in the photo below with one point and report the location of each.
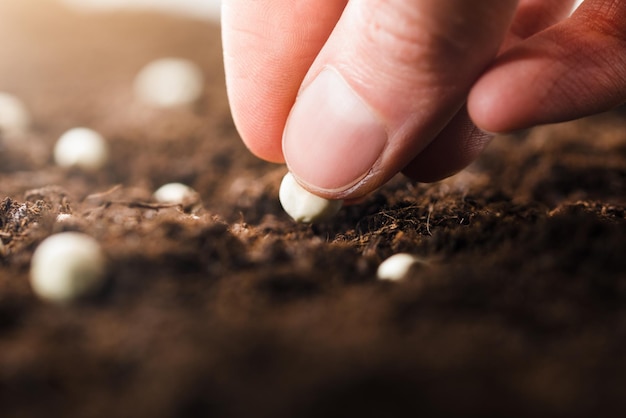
(356, 91)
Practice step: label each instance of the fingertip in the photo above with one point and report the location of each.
(265, 150)
(258, 113)
(484, 108)
(267, 52)
(485, 104)
(460, 143)
(570, 70)
(261, 137)
(500, 102)
(332, 139)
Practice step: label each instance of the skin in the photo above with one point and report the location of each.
(349, 93)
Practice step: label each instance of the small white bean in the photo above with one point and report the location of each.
(169, 82)
(82, 148)
(66, 267)
(174, 193)
(397, 266)
(304, 206)
(14, 117)
(63, 217)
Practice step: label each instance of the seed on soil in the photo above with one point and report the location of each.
(66, 267)
(14, 117)
(63, 217)
(174, 193)
(82, 148)
(169, 82)
(397, 266)
(304, 206)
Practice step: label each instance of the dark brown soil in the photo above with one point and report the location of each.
(228, 308)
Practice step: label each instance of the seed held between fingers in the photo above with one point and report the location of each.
(304, 206)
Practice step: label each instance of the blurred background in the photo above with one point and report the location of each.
(204, 9)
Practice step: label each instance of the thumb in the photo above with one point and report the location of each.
(389, 78)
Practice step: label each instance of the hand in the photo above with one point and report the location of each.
(357, 91)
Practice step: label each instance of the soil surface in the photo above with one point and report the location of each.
(225, 307)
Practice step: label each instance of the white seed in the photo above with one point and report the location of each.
(62, 217)
(174, 193)
(82, 148)
(397, 266)
(304, 206)
(66, 267)
(14, 117)
(169, 82)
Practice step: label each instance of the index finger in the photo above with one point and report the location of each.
(268, 48)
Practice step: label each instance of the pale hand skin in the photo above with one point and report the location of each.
(349, 93)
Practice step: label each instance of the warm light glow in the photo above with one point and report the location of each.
(205, 9)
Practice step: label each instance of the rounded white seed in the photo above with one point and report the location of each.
(63, 217)
(66, 267)
(14, 117)
(397, 266)
(169, 82)
(174, 193)
(82, 148)
(304, 206)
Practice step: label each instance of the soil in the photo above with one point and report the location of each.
(225, 307)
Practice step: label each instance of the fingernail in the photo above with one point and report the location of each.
(332, 138)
